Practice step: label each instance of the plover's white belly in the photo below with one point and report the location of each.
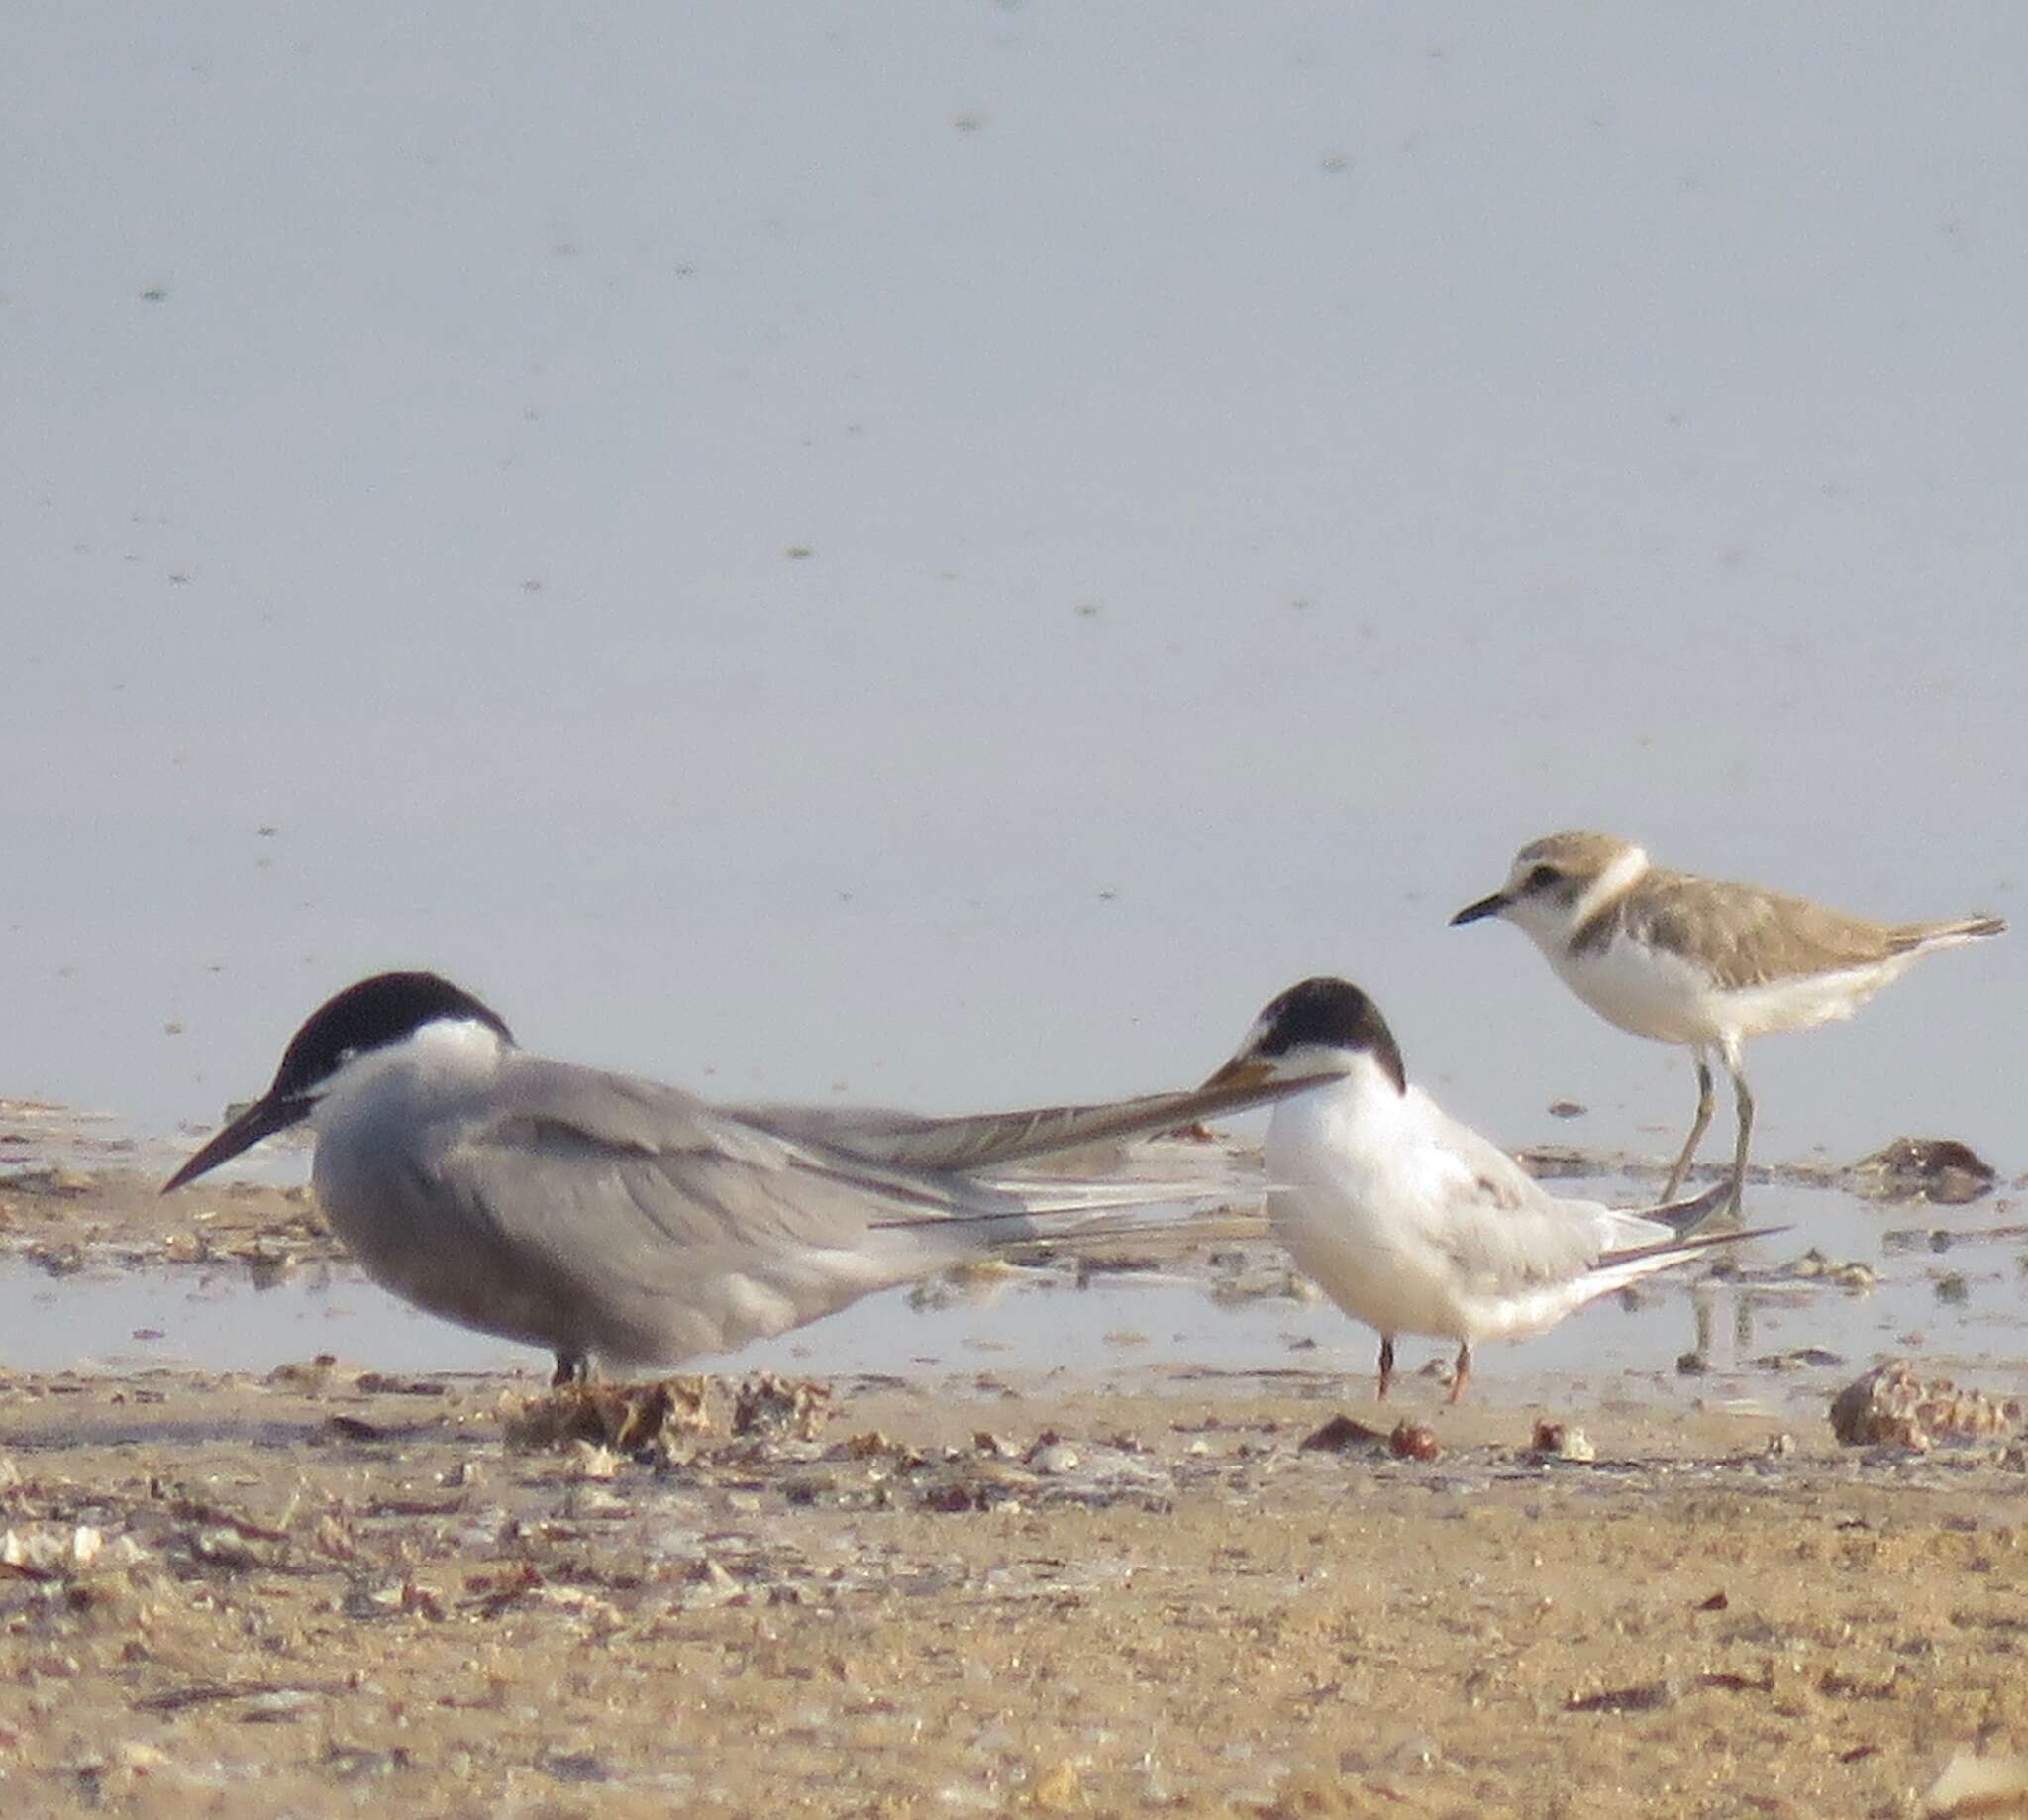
(1650, 991)
(1808, 999)
(1656, 993)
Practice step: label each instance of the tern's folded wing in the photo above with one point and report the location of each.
(697, 1173)
(646, 1226)
(994, 1139)
(1500, 1246)
(1507, 1233)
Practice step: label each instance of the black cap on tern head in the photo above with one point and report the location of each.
(371, 1015)
(1330, 1014)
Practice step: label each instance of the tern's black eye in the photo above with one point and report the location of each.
(1542, 877)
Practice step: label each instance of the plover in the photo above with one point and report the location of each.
(1700, 962)
(1412, 1222)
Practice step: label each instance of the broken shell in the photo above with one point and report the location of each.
(1411, 1441)
(1562, 1441)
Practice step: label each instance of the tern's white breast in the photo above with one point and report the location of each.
(1355, 1195)
(379, 1128)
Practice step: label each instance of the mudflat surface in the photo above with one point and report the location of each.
(1116, 1581)
(326, 1591)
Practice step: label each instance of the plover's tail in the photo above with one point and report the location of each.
(1918, 938)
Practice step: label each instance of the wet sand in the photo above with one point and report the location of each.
(245, 1598)
(325, 1587)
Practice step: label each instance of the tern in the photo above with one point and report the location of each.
(1701, 962)
(1412, 1222)
(619, 1220)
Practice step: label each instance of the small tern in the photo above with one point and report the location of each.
(616, 1219)
(1700, 961)
(1412, 1222)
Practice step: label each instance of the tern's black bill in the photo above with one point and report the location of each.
(1486, 906)
(260, 1120)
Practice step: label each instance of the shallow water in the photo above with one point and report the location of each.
(1949, 1290)
(854, 560)
(858, 563)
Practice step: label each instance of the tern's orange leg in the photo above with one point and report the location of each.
(1386, 1363)
(1460, 1373)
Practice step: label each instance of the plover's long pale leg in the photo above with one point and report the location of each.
(1699, 1125)
(1743, 1099)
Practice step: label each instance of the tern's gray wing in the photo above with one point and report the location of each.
(1506, 1232)
(994, 1139)
(712, 1159)
(647, 1227)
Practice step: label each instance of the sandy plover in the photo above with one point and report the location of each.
(1700, 962)
(1412, 1222)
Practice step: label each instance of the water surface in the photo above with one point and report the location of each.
(1948, 1289)
(944, 555)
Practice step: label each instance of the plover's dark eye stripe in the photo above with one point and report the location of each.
(1542, 877)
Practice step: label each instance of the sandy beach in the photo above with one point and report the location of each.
(327, 1586)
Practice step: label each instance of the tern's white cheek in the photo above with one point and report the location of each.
(445, 1059)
